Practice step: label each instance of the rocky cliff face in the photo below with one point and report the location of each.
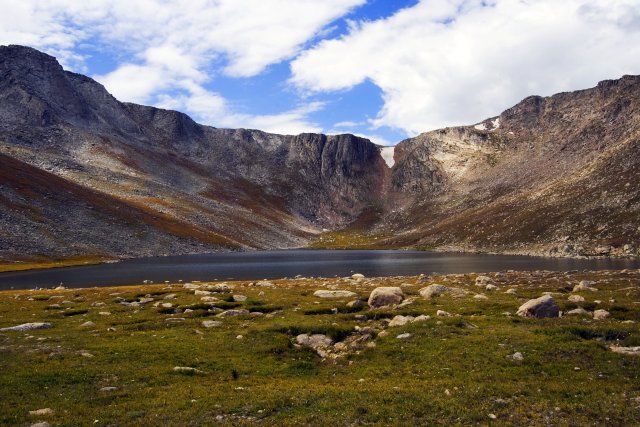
(92, 175)
(82, 173)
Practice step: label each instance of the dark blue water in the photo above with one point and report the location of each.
(280, 264)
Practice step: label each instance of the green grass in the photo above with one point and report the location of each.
(450, 371)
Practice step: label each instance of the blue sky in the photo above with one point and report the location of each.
(383, 69)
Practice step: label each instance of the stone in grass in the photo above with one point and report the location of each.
(88, 324)
(42, 412)
(357, 276)
(28, 327)
(631, 351)
(211, 323)
(239, 298)
(491, 287)
(483, 281)
(584, 285)
(107, 389)
(385, 296)
(188, 370)
(432, 291)
(480, 296)
(317, 342)
(41, 424)
(334, 294)
(516, 357)
(576, 298)
(545, 306)
(400, 321)
(600, 314)
(577, 312)
(404, 336)
(442, 313)
(234, 313)
(510, 291)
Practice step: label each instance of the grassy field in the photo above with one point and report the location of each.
(119, 369)
(37, 264)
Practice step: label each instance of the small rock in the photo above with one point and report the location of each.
(88, 324)
(545, 306)
(239, 298)
(421, 318)
(233, 313)
(483, 281)
(633, 351)
(584, 285)
(516, 357)
(576, 298)
(209, 299)
(105, 389)
(191, 286)
(334, 294)
(385, 296)
(211, 323)
(383, 334)
(357, 276)
(400, 321)
(442, 313)
(356, 303)
(492, 416)
(175, 320)
(41, 424)
(600, 314)
(491, 287)
(28, 327)
(265, 284)
(188, 370)
(510, 291)
(104, 313)
(42, 412)
(199, 292)
(432, 291)
(404, 336)
(577, 312)
(169, 296)
(480, 296)
(239, 337)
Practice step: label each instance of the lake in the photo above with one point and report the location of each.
(257, 265)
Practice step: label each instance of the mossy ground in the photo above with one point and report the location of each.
(452, 370)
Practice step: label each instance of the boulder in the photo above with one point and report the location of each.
(545, 306)
(334, 294)
(584, 285)
(385, 296)
(434, 290)
(400, 321)
(317, 342)
(357, 276)
(600, 314)
(28, 327)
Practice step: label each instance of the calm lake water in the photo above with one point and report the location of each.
(280, 264)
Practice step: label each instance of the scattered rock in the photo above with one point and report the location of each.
(334, 294)
(434, 290)
(106, 389)
(209, 299)
(442, 313)
(239, 298)
(577, 312)
(188, 370)
(224, 288)
(545, 306)
(383, 334)
(28, 327)
(317, 342)
(421, 318)
(233, 313)
(191, 286)
(211, 323)
(404, 336)
(41, 424)
(480, 296)
(42, 412)
(199, 292)
(516, 357)
(400, 321)
(357, 276)
(105, 313)
(600, 314)
(265, 284)
(385, 296)
(576, 298)
(510, 291)
(632, 351)
(169, 296)
(88, 324)
(491, 287)
(356, 303)
(584, 285)
(483, 281)
(175, 320)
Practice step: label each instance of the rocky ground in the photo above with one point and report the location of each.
(523, 348)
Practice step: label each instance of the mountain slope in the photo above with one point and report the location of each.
(85, 174)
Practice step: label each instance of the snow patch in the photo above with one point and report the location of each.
(496, 123)
(387, 155)
(480, 126)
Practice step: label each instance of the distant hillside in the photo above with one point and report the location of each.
(84, 174)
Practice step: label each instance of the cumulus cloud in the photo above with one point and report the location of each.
(174, 48)
(451, 62)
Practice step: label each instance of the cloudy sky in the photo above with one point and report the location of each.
(385, 69)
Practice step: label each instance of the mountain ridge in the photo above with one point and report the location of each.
(196, 188)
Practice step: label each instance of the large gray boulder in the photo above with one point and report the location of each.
(545, 306)
(385, 296)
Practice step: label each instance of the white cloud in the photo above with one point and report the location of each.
(173, 48)
(450, 62)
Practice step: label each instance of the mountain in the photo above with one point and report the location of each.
(84, 174)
